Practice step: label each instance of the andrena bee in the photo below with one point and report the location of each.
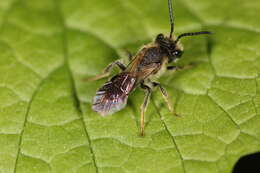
(149, 62)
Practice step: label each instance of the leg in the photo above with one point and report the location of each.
(172, 68)
(144, 105)
(129, 55)
(179, 67)
(107, 70)
(118, 63)
(165, 97)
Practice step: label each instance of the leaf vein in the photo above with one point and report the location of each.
(26, 117)
(74, 92)
(169, 133)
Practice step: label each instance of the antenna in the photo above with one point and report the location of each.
(171, 16)
(191, 34)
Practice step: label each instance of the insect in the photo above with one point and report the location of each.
(146, 65)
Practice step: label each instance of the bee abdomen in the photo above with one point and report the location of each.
(113, 95)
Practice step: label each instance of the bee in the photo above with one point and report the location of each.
(149, 62)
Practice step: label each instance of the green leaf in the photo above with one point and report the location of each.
(49, 47)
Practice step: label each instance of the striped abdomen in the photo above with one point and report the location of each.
(112, 96)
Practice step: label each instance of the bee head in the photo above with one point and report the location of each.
(172, 48)
(171, 45)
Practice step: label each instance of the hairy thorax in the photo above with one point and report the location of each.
(152, 61)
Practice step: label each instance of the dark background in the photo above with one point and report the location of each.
(248, 164)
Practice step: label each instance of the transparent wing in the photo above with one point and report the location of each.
(132, 66)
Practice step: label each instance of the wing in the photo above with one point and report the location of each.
(113, 95)
(132, 66)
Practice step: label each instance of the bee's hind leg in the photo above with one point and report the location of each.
(107, 70)
(144, 105)
(165, 97)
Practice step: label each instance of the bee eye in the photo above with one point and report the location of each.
(177, 53)
(159, 37)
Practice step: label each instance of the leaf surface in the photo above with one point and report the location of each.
(49, 47)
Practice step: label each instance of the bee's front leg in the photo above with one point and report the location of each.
(144, 105)
(179, 67)
(172, 68)
(107, 70)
